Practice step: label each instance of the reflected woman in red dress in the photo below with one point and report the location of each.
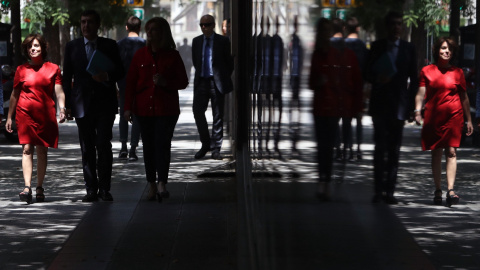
(34, 86)
(442, 94)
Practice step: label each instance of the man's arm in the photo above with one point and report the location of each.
(67, 75)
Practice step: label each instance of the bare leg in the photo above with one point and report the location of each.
(42, 152)
(437, 167)
(451, 157)
(27, 164)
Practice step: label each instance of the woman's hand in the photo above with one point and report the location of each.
(8, 125)
(62, 116)
(469, 128)
(418, 119)
(128, 116)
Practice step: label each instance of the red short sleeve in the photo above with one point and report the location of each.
(422, 79)
(58, 76)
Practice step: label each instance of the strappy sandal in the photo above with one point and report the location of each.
(26, 196)
(39, 196)
(451, 200)
(437, 200)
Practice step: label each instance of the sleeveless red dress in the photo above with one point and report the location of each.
(35, 114)
(443, 118)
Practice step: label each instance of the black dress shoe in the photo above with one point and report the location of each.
(123, 154)
(105, 195)
(90, 197)
(377, 198)
(390, 199)
(132, 156)
(165, 194)
(201, 153)
(216, 155)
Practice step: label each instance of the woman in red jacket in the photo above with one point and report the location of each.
(155, 75)
(336, 81)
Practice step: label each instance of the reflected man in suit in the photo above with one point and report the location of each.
(92, 100)
(213, 69)
(391, 62)
(295, 53)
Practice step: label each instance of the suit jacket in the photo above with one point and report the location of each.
(222, 62)
(85, 94)
(396, 97)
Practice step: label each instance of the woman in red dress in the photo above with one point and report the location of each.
(442, 94)
(34, 84)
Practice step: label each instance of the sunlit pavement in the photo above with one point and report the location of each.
(196, 227)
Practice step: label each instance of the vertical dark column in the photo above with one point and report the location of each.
(241, 21)
(477, 58)
(16, 33)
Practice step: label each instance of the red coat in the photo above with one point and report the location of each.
(142, 97)
(337, 82)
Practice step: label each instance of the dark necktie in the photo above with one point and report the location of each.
(206, 59)
(90, 49)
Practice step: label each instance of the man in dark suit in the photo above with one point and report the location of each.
(92, 100)
(391, 62)
(213, 69)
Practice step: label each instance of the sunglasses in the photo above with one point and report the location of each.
(206, 24)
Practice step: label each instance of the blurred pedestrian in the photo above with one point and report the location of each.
(442, 97)
(1, 97)
(334, 75)
(391, 64)
(36, 83)
(213, 69)
(93, 101)
(295, 54)
(185, 51)
(354, 43)
(127, 47)
(278, 64)
(153, 80)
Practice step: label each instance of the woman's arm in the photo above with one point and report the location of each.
(466, 111)
(61, 101)
(419, 104)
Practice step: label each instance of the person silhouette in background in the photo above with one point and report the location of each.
(390, 64)
(296, 54)
(128, 46)
(278, 64)
(185, 51)
(354, 43)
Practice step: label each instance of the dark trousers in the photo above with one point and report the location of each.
(95, 134)
(203, 93)
(388, 140)
(157, 134)
(123, 124)
(325, 133)
(294, 127)
(277, 109)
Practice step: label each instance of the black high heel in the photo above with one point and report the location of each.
(159, 197)
(165, 194)
(437, 200)
(451, 200)
(39, 196)
(26, 196)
